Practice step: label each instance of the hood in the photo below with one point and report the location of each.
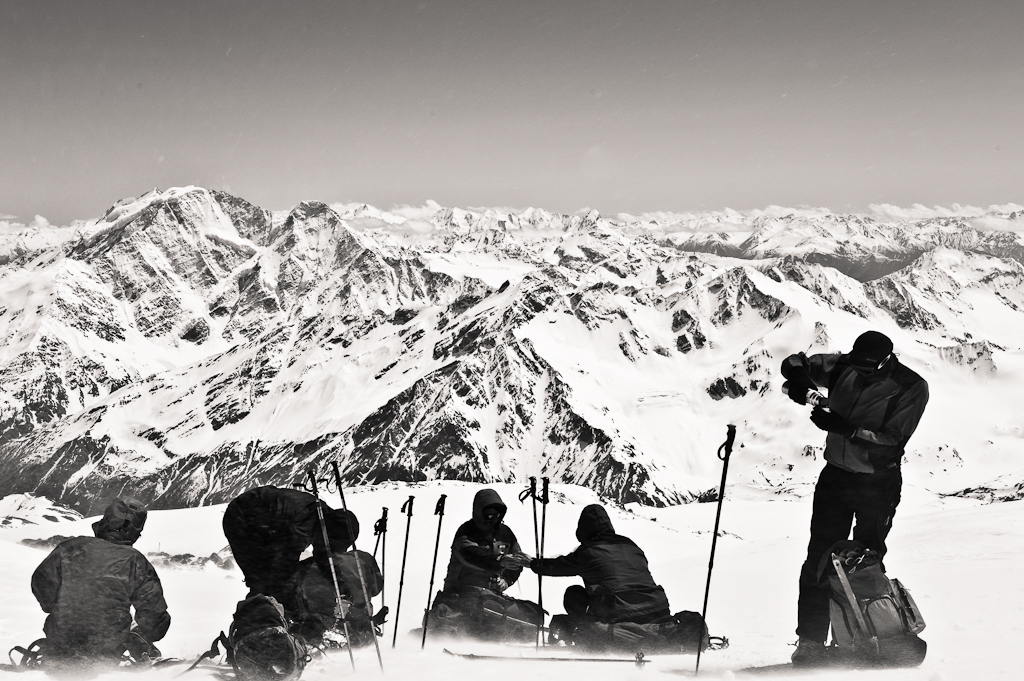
(483, 499)
(594, 524)
(122, 522)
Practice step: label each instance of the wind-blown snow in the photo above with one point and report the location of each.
(959, 557)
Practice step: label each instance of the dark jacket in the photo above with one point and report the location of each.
(316, 598)
(476, 550)
(885, 411)
(87, 585)
(268, 528)
(613, 568)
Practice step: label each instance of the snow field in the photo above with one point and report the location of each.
(959, 558)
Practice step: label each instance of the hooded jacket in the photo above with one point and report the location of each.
(88, 585)
(316, 598)
(885, 411)
(613, 568)
(476, 550)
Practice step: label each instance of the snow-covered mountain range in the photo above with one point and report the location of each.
(189, 345)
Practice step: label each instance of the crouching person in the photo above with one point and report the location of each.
(486, 560)
(88, 585)
(317, 601)
(619, 604)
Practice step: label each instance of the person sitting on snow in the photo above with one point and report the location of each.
(88, 586)
(617, 585)
(317, 601)
(486, 560)
(268, 528)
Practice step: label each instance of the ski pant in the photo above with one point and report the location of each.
(839, 498)
(578, 606)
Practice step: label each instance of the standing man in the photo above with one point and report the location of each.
(88, 585)
(268, 528)
(874, 406)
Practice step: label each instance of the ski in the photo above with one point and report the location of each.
(638, 660)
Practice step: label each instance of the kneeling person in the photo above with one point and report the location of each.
(317, 601)
(486, 560)
(618, 586)
(88, 585)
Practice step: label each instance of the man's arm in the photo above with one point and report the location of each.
(804, 373)
(46, 580)
(148, 599)
(562, 566)
(896, 431)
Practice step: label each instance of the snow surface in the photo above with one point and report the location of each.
(959, 557)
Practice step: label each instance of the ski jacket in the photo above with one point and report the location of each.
(316, 598)
(885, 411)
(613, 568)
(87, 586)
(477, 550)
(284, 518)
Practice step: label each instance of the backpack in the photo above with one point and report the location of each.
(262, 647)
(682, 633)
(485, 615)
(881, 623)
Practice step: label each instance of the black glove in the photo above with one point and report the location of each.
(797, 388)
(832, 422)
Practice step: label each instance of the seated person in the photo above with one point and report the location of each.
(486, 560)
(617, 585)
(317, 601)
(88, 585)
(268, 528)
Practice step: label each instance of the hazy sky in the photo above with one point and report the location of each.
(561, 104)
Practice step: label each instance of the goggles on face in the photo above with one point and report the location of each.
(868, 368)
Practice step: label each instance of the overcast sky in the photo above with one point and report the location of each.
(561, 104)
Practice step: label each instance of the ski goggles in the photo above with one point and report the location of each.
(869, 367)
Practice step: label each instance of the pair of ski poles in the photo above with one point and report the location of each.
(439, 512)
(538, 540)
(339, 610)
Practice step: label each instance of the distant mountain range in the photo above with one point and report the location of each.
(189, 345)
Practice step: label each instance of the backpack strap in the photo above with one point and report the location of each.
(848, 591)
(214, 651)
(31, 655)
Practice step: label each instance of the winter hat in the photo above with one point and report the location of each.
(870, 348)
(122, 521)
(594, 524)
(337, 523)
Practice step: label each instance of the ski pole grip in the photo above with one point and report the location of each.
(544, 491)
(382, 524)
(730, 437)
(439, 509)
(407, 506)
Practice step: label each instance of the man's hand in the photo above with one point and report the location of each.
(514, 560)
(797, 387)
(832, 422)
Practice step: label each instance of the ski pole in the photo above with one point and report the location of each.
(727, 448)
(380, 530)
(407, 510)
(543, 528)
(439, 512)
(531, 492)
(339, 611)
(359, 563)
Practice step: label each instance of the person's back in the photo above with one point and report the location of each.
(617, 581)
(88, 585)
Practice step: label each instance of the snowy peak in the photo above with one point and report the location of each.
(190, 345)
